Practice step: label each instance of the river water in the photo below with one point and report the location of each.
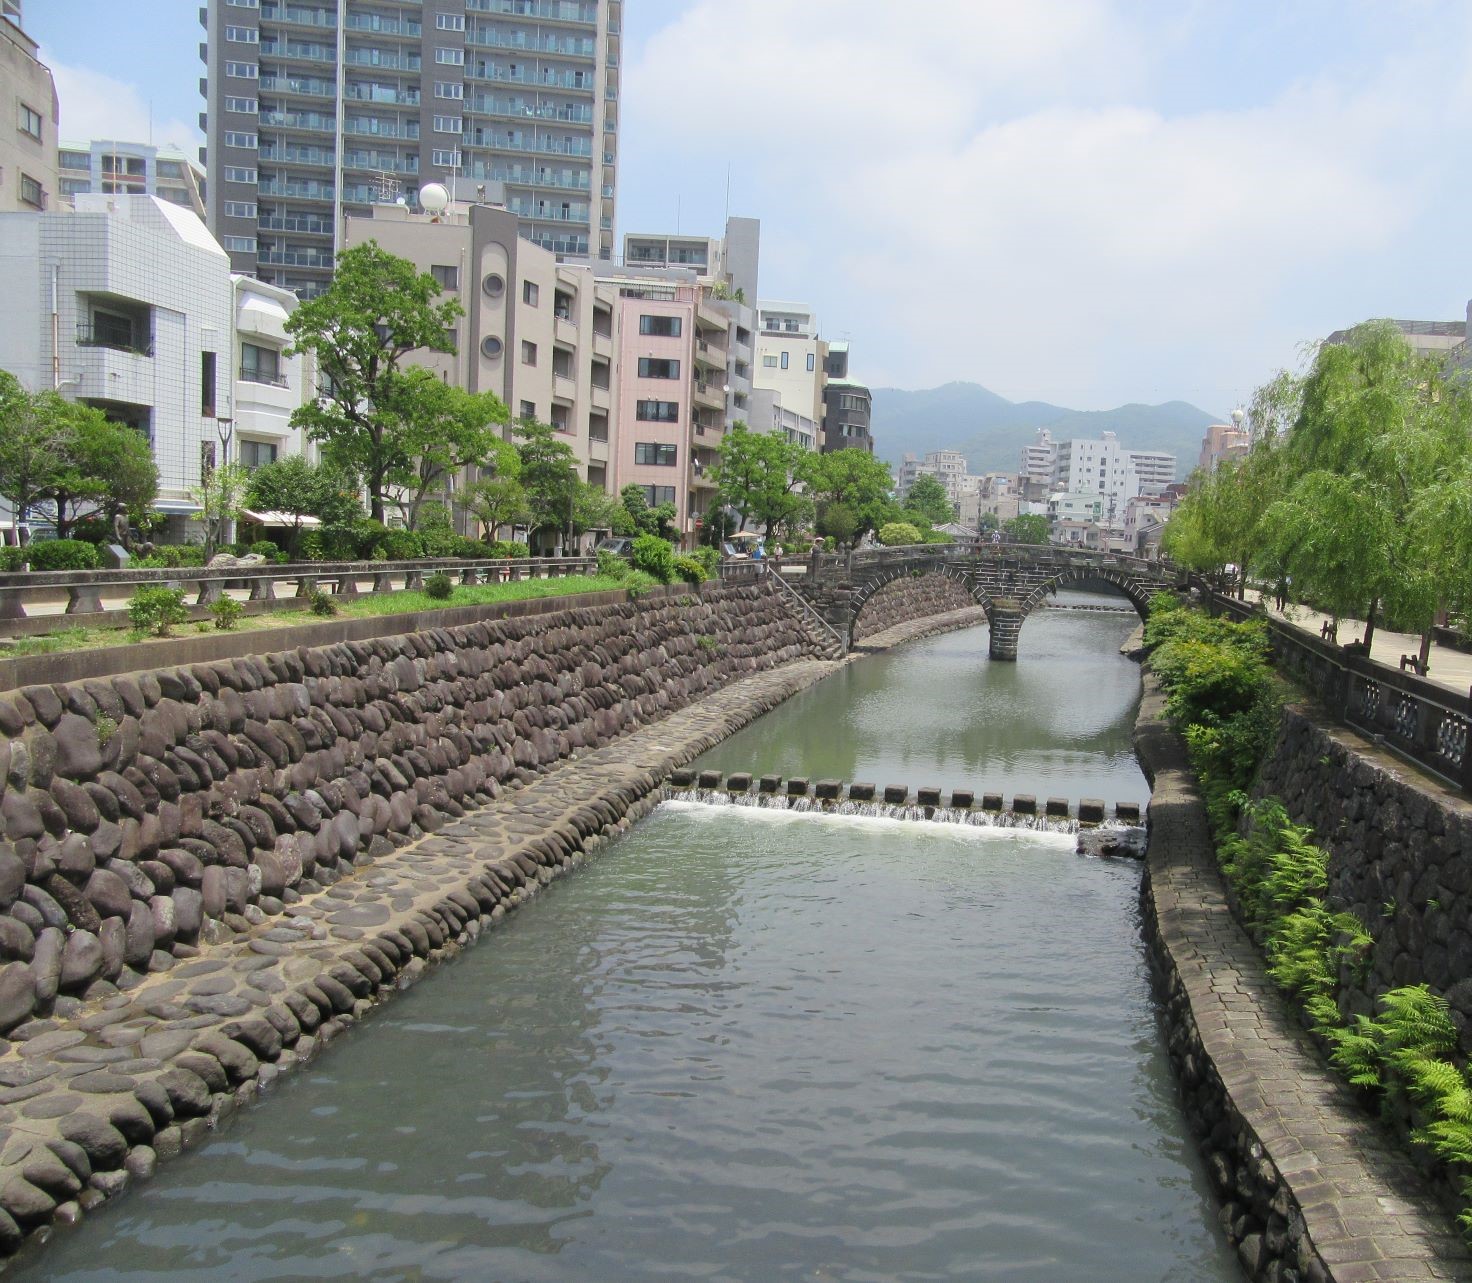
(755, 1045)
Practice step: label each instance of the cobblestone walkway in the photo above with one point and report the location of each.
(1365, 1210)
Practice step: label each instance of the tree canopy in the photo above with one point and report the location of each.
(851, 489)
(928, 502)
(758, 476)
(1027, 527)
(371, 416)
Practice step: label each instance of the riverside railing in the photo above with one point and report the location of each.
(1043, 556)
(1419, 719)
(85, 589)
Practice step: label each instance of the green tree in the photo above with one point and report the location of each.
(1378, 430)
(641, 519)
(757, 475)
(847, 486)
(376, 311)
(549, 476)
(297, 488)
(927, 500)
(498, 501)
(1027, 527)
(220, 495)
(593, 508)
(107, 468)
(444, 429)
(32, 449)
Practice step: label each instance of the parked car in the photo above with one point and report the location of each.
(618, 545)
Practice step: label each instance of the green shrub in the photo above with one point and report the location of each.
(505, 548)
(63, 554)
(611, 565)
(655, 557)
(936, 536)
(439, 586)
(710, 558)
(157, 610)
(177, 555)
(226, 613)
(313, 546)
(691, 569)
(265, 548)
(463, 547)
(12, 559)
(640, 582)
(321, 603)
(93, 530)
(398, 545)
(440, 541)
(898, 532)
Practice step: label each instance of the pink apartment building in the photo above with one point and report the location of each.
(671, 396)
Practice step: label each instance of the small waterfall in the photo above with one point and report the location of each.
(880, 810)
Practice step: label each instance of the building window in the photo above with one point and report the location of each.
(243, 70)
(243, 35)
(657, 411)
(654, 367)
(31, 192)
(528, 352)
(248, 141)
(261, 365)
(445, 158)
(450, 57)
(450, 21)
(656, 495)
(238, 174)
(769, 362)
(239, 244)
(78, 161)
(247, 105)
(663, 327)
(30, 121)
(207, 383)
(449, 124)
(784, 360)
(446, 276)
(653, 452)
(448, 90)
(452, 340)
(811, 359)
(240, 209)
(530, 293)
(256, 454)
(528, 410)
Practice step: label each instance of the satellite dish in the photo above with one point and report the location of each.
(434, 197)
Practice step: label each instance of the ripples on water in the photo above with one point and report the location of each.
(741, 1045)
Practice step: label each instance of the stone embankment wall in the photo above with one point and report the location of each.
(143, 815)
(1400, 858)
(909, 598)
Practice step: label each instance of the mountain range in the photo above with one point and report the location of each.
(991, 430)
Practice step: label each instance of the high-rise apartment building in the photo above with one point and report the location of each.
(1102, 466)
(318, 108)
(28, 116)
(131, 169)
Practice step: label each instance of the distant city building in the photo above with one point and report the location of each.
(1038, 459)
(1224, 441)
(520, 92)
(848, 406)
(789, 357)
(946, 466)
(28, 178)
(1102, 466)
(132, 169)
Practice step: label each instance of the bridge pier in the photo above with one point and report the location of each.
(1006, 625)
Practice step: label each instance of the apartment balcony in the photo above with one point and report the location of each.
(570, 82)
(296, 190)
(313, 122)
(600, 398)
(598, 449)
(708, 355)
(291, 16)
(286, 51)
(407, 129)
(397, 97)
(377, 60)
(565, 330)
(569, 13)
(135, 342)
(709, 395)
(294, 258)
(516, 176)
(107, 373)
(602, 341)
(393, 28)
(709, 317)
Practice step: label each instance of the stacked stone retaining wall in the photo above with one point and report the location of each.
(1400, 849)
(143, 815)
(909, 598)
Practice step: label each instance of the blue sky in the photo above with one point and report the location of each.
(1081, 201)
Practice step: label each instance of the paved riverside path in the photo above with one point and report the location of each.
(1449, 668)
(1365, 1209)
(91, 1101)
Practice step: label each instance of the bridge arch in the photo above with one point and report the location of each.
(1129, 586)
(864, 589)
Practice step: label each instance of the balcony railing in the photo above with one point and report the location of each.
(110, 337)
(271, 378)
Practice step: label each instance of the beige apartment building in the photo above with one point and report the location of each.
(538, 333)
(28, 126)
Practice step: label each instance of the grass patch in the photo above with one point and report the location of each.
(74, 637)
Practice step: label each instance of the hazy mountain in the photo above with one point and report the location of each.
(991, 430)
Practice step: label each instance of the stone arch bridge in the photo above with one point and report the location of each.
(1008, 581)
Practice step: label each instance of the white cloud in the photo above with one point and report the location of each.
(94, 106)
(1001, 192)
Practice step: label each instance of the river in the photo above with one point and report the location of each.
(753, 1045)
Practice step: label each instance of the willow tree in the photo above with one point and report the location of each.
(1220, 521)
(1377, 430)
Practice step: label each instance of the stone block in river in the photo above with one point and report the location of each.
(1025, 804)
(896, 794)
(927, 795)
